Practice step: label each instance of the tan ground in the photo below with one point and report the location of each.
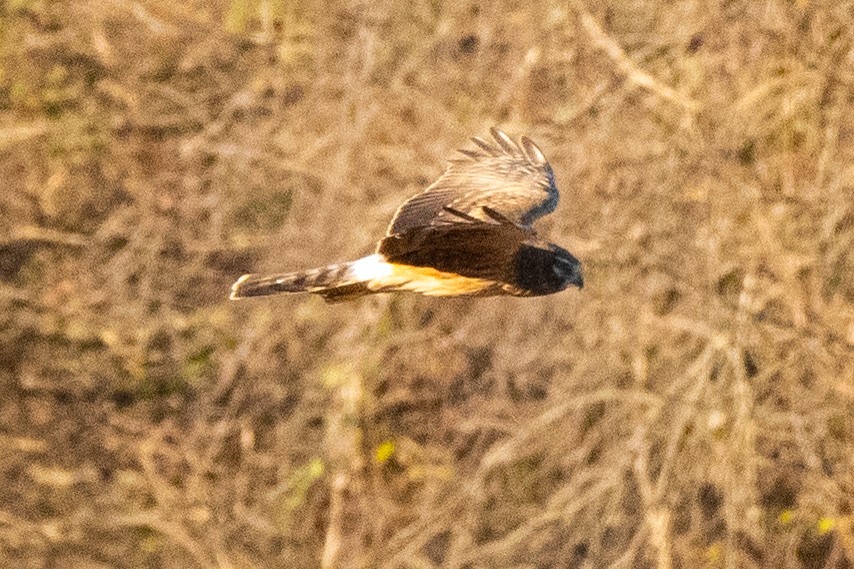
(691, 407)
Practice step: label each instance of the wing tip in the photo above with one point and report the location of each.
(235, 288)
(485, 145)
(469, 154)
(533, 152)
(525, 148)
(504, 141)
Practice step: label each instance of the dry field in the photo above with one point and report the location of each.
(692, 407)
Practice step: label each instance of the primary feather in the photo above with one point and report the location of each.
(513, 179)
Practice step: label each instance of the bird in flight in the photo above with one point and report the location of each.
(468, 234)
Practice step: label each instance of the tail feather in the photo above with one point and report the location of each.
(335, 283)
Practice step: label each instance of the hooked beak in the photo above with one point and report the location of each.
(578, 279)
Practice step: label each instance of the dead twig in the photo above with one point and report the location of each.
(625, 64)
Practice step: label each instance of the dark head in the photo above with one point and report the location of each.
(544, 268)
(567, 268)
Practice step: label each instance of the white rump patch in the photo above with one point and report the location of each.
(370, 268)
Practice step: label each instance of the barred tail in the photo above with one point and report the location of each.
(339, 282)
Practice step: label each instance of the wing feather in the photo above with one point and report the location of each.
(471, 249)
(514, 180)
(506, 143)
(485, 146)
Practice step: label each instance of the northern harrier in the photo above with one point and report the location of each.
(468, 234)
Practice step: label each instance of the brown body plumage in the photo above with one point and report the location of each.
(468, 234)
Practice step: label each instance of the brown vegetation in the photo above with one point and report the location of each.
(691, 407)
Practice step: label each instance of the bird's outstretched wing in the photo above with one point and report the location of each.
(514, 180)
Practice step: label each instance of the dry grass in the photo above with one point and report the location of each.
(692, 407)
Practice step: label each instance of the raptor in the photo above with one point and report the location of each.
(469, 234)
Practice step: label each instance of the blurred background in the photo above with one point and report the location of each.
(691, 407)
